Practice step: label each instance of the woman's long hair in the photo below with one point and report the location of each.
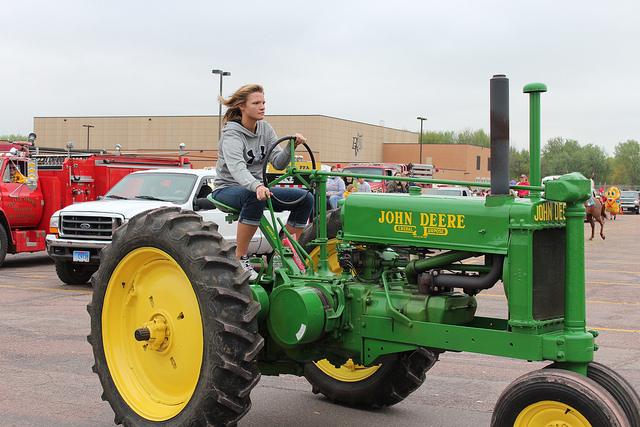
(238, 98)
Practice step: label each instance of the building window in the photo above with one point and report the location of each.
(489, 163)
(478, 159)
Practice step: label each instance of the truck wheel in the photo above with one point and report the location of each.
(556, 397)
(73, 274)
(173, 323)
(374, 387)
(4, 244)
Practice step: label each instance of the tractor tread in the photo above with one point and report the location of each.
(231, 341)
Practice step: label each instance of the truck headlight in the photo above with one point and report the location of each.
(54, 223)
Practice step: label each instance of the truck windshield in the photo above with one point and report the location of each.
(169, 187)
(629, 194)
(365, 171)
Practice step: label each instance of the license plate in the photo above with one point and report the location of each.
(80, 256)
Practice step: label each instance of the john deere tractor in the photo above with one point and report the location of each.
(362, 305)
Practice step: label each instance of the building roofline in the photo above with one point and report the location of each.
(216, 116)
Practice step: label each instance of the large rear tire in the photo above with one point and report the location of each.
(173, 324)
(73, 274)
(373, 387)
(556, 397)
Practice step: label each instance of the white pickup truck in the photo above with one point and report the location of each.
(448, 191)
(80, 231)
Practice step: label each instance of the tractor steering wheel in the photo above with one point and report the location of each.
(266, 163)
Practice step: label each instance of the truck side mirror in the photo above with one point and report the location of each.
(32, 175)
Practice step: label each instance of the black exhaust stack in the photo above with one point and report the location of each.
(499, 135)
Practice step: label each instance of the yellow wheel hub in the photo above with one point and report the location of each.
(349, 372)
(157, 375)
(332, 256)
(550, 414)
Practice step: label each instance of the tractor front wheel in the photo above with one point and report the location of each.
(173, 324)
(623, 392)
(619, 388)
(556, 397)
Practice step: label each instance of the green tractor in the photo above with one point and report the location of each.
(362, 304)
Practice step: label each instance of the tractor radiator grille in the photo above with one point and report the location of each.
(548, 273)
(88, 227)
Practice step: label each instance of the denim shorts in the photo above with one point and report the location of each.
(251, 209)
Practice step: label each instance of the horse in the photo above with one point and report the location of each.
(595, 212)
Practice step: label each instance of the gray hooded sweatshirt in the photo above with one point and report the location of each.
(241, 155)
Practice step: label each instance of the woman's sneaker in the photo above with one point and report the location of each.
(246, 264)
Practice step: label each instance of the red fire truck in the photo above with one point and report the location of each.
(36, 182)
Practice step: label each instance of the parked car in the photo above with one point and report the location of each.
(630, 201)
(454, 191)
(79, 231)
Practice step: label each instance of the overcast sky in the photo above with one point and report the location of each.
(367, 61)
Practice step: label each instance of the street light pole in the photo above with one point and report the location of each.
(88, 129)
(422, 119)
(222, 74)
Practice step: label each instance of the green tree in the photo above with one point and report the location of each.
(467, 136)
(626, 169)
(593, 163)
(518, 162)
(438, 137)
(481, 139)
(11, 138)
(560, 156)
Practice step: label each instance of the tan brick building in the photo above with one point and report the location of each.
(333, 140)
(458, 162)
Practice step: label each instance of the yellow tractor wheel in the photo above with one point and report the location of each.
(173, 325)
(557, 397)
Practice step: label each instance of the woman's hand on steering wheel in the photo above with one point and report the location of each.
(299, 139)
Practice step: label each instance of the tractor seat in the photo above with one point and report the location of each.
(233, 213)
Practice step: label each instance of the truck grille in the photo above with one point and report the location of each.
(88, 227)
(548, 273)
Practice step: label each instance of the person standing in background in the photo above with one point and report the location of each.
(523, 181)
(335, 189)
(363, 186)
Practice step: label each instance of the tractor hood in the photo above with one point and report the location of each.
(475, 224)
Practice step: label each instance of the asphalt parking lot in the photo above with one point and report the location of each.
(45, 360)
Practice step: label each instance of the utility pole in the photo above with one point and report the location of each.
(222, 74)
(422, 119)
(88, 129)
